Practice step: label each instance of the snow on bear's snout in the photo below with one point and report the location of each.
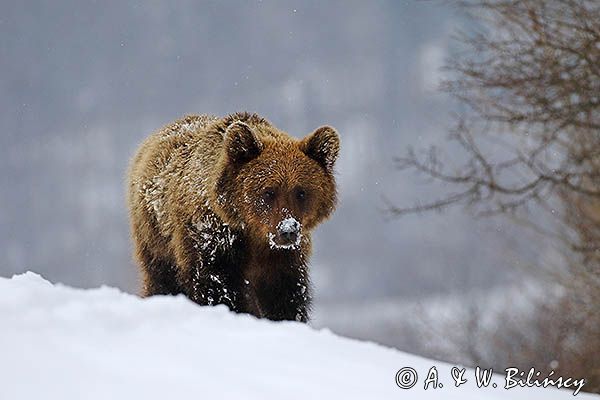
(288, 234)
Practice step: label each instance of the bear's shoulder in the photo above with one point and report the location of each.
(188, 125)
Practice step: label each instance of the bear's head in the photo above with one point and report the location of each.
(275, 187)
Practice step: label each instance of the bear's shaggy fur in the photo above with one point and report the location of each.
(221, 210)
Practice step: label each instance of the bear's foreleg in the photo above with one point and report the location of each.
(158, 275)
(197, 273)
(288, 299)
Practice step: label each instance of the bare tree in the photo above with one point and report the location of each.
(527, 80)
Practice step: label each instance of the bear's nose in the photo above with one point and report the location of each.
(289, 236)
(289, 229)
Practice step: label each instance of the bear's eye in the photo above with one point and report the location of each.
(268, 196)
(300, 194)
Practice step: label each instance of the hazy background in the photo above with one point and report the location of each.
(83, 82)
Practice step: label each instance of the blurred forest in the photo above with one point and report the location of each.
(529, 78)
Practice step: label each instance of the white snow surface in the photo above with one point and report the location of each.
(62, 343)
(289, 224)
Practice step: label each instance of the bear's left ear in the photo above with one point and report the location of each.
(241, 144)
(323, 146)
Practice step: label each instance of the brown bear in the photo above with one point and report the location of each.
(222, 210)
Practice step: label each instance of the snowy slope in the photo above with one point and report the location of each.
(63, 343)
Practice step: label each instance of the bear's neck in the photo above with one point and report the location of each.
(265, 264)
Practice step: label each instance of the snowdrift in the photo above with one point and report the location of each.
(62, 343)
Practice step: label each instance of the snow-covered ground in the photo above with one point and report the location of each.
(62, 343)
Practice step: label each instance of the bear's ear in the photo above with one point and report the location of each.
(323, 146)
(241, 144)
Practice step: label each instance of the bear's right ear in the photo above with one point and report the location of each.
(241, 144)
